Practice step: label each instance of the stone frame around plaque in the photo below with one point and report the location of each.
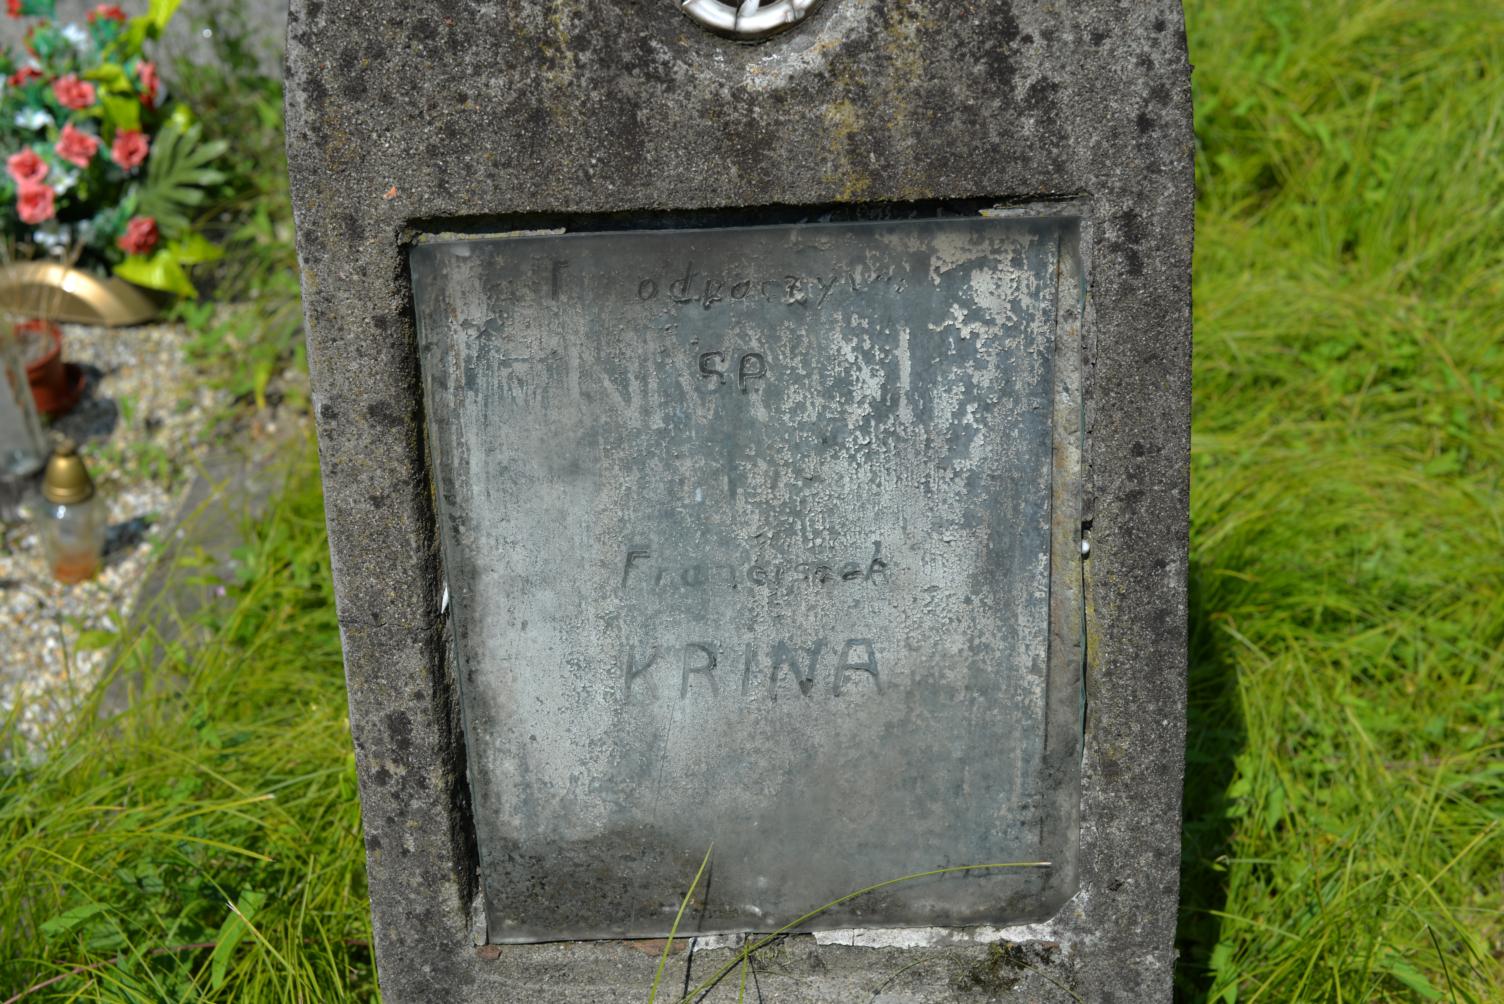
(1065, 633)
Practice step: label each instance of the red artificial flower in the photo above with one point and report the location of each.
(107, 11)
(72, 92)
(130, 148)
(76, 146)
(35, 203)
(24, 76)
(26, 167)
(13, 8)
(147, 71)
(140, 235)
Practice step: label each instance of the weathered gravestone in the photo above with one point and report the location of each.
(760, 427)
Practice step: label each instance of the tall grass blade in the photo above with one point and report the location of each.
(668, 942)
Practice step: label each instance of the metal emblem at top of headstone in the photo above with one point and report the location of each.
(748, 18)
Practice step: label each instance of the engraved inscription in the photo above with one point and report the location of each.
(708, 288)
(802, 663)
(720, 505)
(747, 367)
(642, 570)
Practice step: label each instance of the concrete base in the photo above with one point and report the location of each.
(802, 969)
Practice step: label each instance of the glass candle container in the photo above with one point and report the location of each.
(72, 520)
(21, 449)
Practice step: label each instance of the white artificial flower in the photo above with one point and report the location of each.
(54, 237)
(33, 118)
(63, 180)
(77, 37)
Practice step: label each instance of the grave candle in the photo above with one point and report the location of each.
(73, 518)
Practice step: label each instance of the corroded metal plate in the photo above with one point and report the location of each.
(748, 535)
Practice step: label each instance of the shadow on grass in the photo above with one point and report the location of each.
(1215, 735)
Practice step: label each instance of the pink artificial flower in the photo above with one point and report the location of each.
(140, 235)
(24, 76)
(26, 167)
(130, 148)
(35, 203)
(76, 146)
(108, 12)
(147, 71)
(13, 8)
(72, 92)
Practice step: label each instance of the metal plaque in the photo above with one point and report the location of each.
(762, 538)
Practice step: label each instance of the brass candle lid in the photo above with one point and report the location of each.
(67, 480)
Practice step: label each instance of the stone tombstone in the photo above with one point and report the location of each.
(756, 433)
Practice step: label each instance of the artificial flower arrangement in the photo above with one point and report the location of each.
(99, 171)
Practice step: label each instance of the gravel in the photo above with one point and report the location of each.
(145, 427)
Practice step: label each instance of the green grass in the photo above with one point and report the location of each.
(1345, 804)
(1345, 797)
(229, 780)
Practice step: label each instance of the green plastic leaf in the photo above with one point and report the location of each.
(70, 919)
(111, 75)
(121, 112)
(104, 31)
(177, 172)
(181, 117)
(130, 41)
(159, 271)
(160, 12)
(38, 8)
(195, 249)
(231, 933)
(46, 40)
